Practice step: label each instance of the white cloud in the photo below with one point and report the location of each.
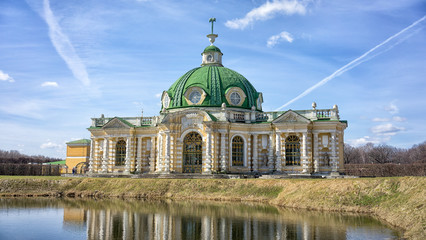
(392, 108)
(362, 141)
(387, 129)
(50, 145)
(275, 39)
(50, 84)
(64, 46)
(267, 11)
(380, 120)
(24, 108)
(158, 95)
(6, 77)
(399, 119)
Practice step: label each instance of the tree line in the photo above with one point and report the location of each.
(385, 161)
(382, 153)
(15, 157)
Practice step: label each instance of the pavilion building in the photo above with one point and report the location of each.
(212, 121)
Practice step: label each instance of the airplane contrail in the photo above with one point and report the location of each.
(356, 62)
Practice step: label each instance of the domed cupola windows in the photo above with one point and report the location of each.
(195, 96)
(235, 96)
(165, 100)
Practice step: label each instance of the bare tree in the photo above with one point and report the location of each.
(350, 154)
(417, 153)
(381, 154)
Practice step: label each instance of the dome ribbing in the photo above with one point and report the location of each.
(215, 81)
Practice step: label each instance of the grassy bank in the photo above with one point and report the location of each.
(399, 201)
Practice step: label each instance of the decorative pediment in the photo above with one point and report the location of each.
(291, 117)
(116, 123)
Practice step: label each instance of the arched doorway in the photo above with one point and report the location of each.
(81, 168)
(292, 151)
(192, 153)
(237, 151)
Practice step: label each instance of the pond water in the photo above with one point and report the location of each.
(44, 218)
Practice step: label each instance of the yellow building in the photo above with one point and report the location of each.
(78, 153)
(212, 121)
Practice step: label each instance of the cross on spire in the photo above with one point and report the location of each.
(212, 20)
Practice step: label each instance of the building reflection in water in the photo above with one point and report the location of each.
(119, 219)
(149, 220)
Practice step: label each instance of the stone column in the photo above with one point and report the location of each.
(213, 151)
(105, 156)
(152, 156)
(333, 153)
(159, 164)
(91, 162)
(278, 152)
(172, 153)
(223, 152)
(316, 159)
(208, 167)
(255, 154)
(167, 154)
(127, 163)
(305, 163)
(271, 152)
(111, 158)
(139, 155)
(283, 149)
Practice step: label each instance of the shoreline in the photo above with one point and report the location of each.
(400, 201)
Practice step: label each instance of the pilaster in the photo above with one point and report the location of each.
(159, 165)
(304, 158)
(105, 157)
(139, 155)
(333, 153)
(278, 152)
(316, 159)
(172, 153)
(127, 163)
(152, 155)
(255, 154)
(111, 158)
(208, 166)
(91, 162)
(271, 152)
(223, 152)
(167, 154)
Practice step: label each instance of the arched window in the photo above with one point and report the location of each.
(192, 153)
(120, 153)
(292, 150)
(237, 151)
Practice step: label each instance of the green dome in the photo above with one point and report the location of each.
(216, 84)
(211, 48)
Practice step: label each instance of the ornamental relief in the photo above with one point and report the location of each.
(192, 120)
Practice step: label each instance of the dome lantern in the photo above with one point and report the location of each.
(212, 54)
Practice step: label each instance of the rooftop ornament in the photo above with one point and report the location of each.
(212, 36)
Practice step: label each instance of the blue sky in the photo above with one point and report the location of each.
(64, 62)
